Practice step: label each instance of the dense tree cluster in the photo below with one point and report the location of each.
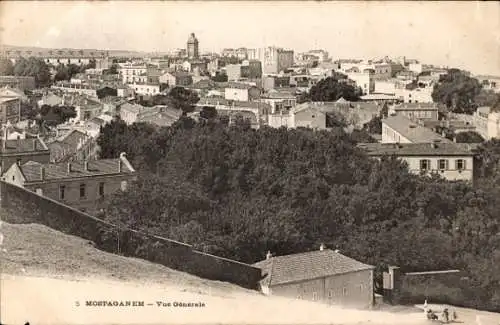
(53, 115)
(33, 67)
(331, 89)
(6, 67)
(238, 192)
(457, 91)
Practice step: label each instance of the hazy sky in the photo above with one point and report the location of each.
(461, 34)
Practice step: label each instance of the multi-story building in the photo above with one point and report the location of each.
(131, 73)
(178, 78)
(55, 57)
(279, 101)
(322, 276)
(81, 185)
(145, 88)
(453, 161)
(10, 109)
(241, 92)
(19, 82)
(22, 151)
(416, 110)
(363, 80)
(274, 60)
(400, 129)
(192, 47)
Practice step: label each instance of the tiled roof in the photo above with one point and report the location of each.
(238, 85)
(23, 145)
(418, 149)
(306, 266)
(411, 130)
(134, 108)
(7, 99)
(31, 170)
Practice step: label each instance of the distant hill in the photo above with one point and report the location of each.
(112, 53)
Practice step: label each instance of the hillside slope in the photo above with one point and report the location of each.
(47, 277)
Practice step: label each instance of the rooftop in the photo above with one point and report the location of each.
(22, 145)
(239, 85)
(418, 149)
(31, 170)
(411, 130)
(306, 266)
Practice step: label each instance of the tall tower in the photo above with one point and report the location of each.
(192, 47)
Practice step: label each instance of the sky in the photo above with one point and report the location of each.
(457, 34)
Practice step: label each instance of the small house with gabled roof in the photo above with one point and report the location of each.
(324, 276)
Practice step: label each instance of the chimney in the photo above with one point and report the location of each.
(119, 165)
(86, 166)
(69, 167)
(321, 247)
(42, 173)
(268, 255)
(34, 144)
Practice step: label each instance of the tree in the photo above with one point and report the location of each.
(6, 67)
(374, 126)
(334, 88)
(33, 67)
(469, 137)
(183, 99)
(220, 77)
(106, 91)
(55, 115)
(457, 90)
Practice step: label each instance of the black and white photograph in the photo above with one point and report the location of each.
(249, 162)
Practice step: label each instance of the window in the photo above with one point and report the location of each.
(344, 291)
(330, 294)
(460, 164)
(313, 116)
(62, 190)
(443, 164)
(315, 296)
(425, 164)
(124, 185)
(101, 189)
(13, 178)
(82, 190)
(360, 288)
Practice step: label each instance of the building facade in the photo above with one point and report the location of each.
(416, 110)
(452, 161)
(10, 110)
(192, 47)
(322, 276)
(274, 60)
(81, 185)
(487, 122)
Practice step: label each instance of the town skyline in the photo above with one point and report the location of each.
(293, 25)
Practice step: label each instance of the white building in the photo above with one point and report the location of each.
(400, 129)
(363, 80)
(487, 123)
(453, 161)
(145, 88)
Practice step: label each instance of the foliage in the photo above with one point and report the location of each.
(6, 67)
(469, 137)
(106, 91)
(220, 77)
(457, 90)
(183, 99)
(238, 192)
(55, 115)
(332, 89)
(374, 125)
(33, 67)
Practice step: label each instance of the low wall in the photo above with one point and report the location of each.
(18, 205)
(416, 287)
